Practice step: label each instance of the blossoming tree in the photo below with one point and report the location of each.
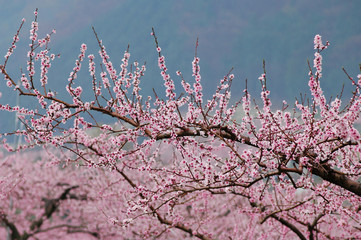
(184, 167)
(47, 202)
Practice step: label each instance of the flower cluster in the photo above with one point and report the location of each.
(33, 31)
(318, 43)
(13, 44)
(168, 82)
(197, 85)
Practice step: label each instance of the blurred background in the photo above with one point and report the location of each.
(232, 33)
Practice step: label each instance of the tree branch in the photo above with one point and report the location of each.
(290, 226)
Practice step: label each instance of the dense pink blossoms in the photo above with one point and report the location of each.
(184, 167)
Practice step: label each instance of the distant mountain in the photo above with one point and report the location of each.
(231, 33)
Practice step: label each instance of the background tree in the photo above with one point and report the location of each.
(189, 167)
(46, 201)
